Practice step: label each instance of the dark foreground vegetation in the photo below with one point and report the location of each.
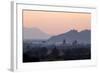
(44, 52)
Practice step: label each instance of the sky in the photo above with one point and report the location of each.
(54, 23)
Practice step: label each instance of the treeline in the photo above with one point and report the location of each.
(56, 53)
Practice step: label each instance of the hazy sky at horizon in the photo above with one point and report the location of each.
(55, 23)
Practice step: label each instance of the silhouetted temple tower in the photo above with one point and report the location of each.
(64, 41)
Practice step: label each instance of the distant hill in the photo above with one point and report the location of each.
(82, 37)
(34, 34)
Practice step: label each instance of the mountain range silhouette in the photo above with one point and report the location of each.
(72, 35)
(34, 33)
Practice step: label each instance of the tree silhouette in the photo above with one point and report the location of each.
(74, 43)
(43, 53)
(55, 54)
(64, 41)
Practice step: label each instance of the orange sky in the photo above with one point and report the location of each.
(55, 23)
